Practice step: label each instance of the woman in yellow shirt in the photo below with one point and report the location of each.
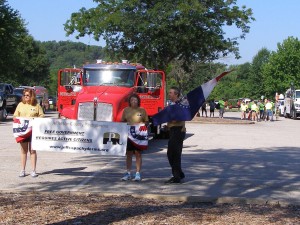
(28, 108)
(244, 108)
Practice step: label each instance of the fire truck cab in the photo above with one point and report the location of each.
(105, 89)
(69, 84)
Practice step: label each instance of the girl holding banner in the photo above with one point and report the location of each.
(137, 119)
(22, 129)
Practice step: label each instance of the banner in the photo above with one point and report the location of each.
(138, 135)
(79, 136)
(22, 129)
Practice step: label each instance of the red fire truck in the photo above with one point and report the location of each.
(69, 84)
(105, 88)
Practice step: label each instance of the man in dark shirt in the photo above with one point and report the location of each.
(177, 133)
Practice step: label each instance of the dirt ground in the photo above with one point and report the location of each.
(58, 208)
(217, 120)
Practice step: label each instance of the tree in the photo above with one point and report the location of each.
(256, 78)
(33, 65)
(21, 59)
(12, 33)
(198, 74)
(235, 85)
(67, 54)
(283, 67)
(158, 32)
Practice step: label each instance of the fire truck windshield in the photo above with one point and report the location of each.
(96, 77)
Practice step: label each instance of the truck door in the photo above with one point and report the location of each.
(69, 84)
(151, 87)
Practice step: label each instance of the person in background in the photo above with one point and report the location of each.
(222, 108)
(177, 133)
(273, 109)
(203, 109)
(269, 109)
(28, 108)
(243, 110)
(134, 114)
(261, 107)
(249, 110)
(212, 106)
(238, 103)
(254, 111)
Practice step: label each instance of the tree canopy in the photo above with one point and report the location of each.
(12, 32)
(67, 54)
(283, 67)
(21, 59)
(157, 32)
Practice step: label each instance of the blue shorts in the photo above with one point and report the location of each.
(269, 112)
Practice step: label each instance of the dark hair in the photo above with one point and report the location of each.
(176, 91)
(134, 96)
(33, 100)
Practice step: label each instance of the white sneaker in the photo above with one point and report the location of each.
(33, 174)
(137, 177)
(127, 176)
(22, 173)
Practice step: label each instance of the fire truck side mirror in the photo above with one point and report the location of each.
(69, 88)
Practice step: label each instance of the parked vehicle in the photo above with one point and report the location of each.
(280, 104)
(233, 103)
(292, 103)
(8, 100)
(42, 97)
(246, 100)
(105, 87)
(52, 102)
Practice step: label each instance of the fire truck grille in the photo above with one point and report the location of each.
(103, 111)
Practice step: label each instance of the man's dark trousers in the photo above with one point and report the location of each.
(174, 152)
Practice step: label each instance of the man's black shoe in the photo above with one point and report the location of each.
(173, 180)
(182, 176)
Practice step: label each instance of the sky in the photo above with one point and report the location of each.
(275, 21)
